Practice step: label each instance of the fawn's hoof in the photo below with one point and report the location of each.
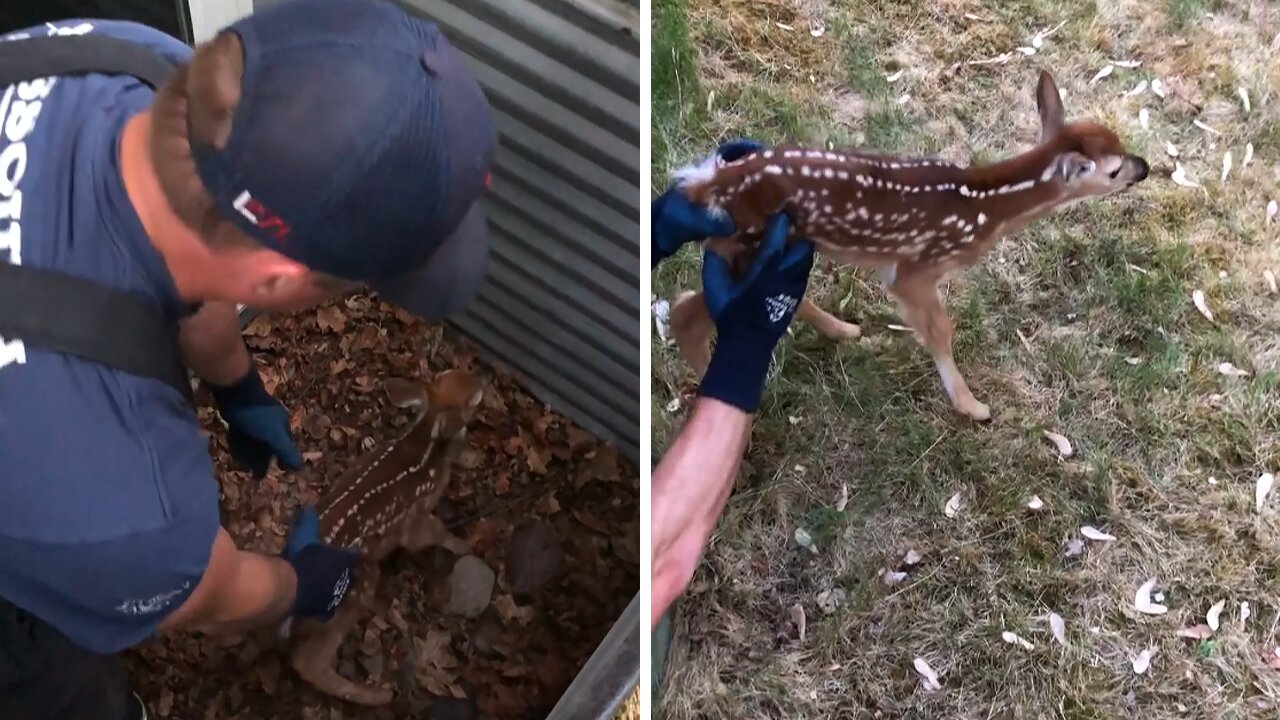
(369, 695)
(974, 410)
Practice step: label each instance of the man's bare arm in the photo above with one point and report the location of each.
(212, 345)
(239, 591)
(690, 488)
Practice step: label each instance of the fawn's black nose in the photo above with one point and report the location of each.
(1143, 169)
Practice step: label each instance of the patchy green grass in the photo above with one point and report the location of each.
(1081, 323)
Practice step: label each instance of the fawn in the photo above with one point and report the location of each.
(384, 503)
(916, 221)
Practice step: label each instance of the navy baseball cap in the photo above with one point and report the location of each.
(360, 148)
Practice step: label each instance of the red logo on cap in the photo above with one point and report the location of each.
(261, 216)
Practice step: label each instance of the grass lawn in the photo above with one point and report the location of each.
(1082, 323)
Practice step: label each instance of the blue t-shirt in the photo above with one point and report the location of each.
(108, 503)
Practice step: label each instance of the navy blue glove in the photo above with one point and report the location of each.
(752, 313)
(325, 573)
(676, 221)
(257, 425)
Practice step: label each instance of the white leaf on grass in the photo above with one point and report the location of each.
(1143, 602)
(1061, 441)
(1204, 127)
(1171, 149)
(674, 405)
(1035, 503)
(797, 617)
(661, 317)
(1094, 533)
(1262, 489)
(1195, 632)
(953, 506)
(1248, 156)
(893, 577)
(829, 600)
(1226, 166)
(899, 328)
(930, 677)
(971, 16)
(1028, 51)
(912, 558)
(1138, 89)
(1244, 97)
(1213, 480)
(1013, 639)
(1059, 628)
(1230, 370)
(784, 26)
(1179, 177)
(1272, 208)
(794, 420)
(1270, 277)
(893, 77)
(1075, 546)
(904, 98)
(1244, 610)
(1102, 73)
(1157, 87)
(1039, 37)
(843, 500)
(1127, 64)
(1158, 597)
(1214, 614)
(711, 99)
(817, 29)
(1197, 298)
(805, 540)
(1142, 662)
(1144, 119)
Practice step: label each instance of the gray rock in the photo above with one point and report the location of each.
(470, 587)
(535, 557)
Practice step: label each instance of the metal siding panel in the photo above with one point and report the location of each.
(561, 305)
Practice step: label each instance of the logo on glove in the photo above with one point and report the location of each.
(779, 306)
(339, 590)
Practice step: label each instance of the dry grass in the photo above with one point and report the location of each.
(1087, 290)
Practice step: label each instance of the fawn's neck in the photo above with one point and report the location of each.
(1014, 191)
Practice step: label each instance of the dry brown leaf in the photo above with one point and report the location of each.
(798, 619)
(330, 317)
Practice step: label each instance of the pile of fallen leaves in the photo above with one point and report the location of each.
(527, 467)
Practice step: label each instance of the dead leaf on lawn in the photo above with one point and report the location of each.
(1262, 489)
(1214, 614)
(1143, 602)
(1142, 662)
(1196, 632)
(798, 619)
(1061, 442)
(1014, 639)
(1059, 628)
(953, 506)
(330, 317)
(1094, 533)
(931, 681)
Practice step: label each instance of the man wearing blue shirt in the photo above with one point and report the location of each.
(311, 148)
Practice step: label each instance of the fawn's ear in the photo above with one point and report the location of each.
(405, 393)
(1072, 166)
(1049, 101)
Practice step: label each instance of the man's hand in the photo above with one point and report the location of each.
(676, 221)
(752, 314)
(325, 573)
(257, 425)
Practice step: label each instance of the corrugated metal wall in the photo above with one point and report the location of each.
(562, 301)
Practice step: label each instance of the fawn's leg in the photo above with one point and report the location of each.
(691, 326)
(826, 323)
(316, 652)
(917, 294)
(426, 530)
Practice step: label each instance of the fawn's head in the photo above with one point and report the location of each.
(446, 403)
(1090, 160)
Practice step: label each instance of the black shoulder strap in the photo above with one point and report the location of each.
(38, 57)
(62, 312)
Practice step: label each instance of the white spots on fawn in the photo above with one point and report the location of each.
(982, 219)
(792, 154)
(773, 170)
(862, 213)
(842, 174)
(805, 171)
(828, 173)
(768, 155)
(967, 239)
(826, 208)
(948, 220)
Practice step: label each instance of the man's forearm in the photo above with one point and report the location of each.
(240, 590)
(212, 345)
(691, 485)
